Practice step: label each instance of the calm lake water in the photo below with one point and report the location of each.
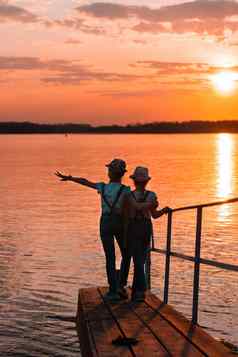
(49, 244)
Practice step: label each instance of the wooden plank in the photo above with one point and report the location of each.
(148, 344)
(203, 341)
(96, 327)
(87, 343)
(104, 332)
(92, 305)
(132, 326)
(170, 338)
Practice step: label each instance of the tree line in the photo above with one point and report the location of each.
(199, 126)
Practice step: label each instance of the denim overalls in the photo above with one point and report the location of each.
(112, 226)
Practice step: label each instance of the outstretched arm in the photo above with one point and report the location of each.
(158, 213)
(80, 180)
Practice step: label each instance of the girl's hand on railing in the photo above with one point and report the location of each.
(166, 210)
(158, 213)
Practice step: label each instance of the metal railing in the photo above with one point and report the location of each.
(196, 258)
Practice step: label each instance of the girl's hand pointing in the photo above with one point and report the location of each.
(62, 177)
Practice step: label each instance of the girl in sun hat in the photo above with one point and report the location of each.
(113, 196)
(139, 230)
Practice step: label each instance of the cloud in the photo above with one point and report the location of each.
(59, 71)
(31, 63)
(131, 93)
(75, 78)
(187, 87)
(198, 9)
(72, 41)
(15, 13)
(174, 68)
(70, 22)
(150, 27)
(182, 68)
(107, 10)
(77, 24)
(139, 41)
(66, 72)
(211, 17)
(199, 16)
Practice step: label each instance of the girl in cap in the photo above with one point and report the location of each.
(139, 228)
(113, 196)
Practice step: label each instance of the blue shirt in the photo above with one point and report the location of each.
(110, 192)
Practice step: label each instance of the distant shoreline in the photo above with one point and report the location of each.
(185, 127)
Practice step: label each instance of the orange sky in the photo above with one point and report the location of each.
(118, 61)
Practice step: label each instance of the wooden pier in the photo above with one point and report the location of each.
(159, 329)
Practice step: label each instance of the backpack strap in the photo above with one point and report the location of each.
(134, 196)
(104, 197)
(112, 206)
(117, 197)
(139, 214)
(144, 198)
(146, 195)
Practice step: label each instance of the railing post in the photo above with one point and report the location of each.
(196, 277)
(168, 256)
(148, 269)
(148, 261)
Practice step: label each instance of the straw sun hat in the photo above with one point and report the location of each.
(141, 174)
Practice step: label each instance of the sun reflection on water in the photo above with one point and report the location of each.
(225, 170)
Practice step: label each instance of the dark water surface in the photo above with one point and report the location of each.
(49, 245)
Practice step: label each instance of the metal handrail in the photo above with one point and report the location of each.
(214, 263)
(196, 258)
(217, 203)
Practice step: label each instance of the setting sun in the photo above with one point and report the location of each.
(224, 82)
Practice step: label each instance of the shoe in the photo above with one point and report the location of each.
(138, 296)
(112, 296)
(123, 293)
